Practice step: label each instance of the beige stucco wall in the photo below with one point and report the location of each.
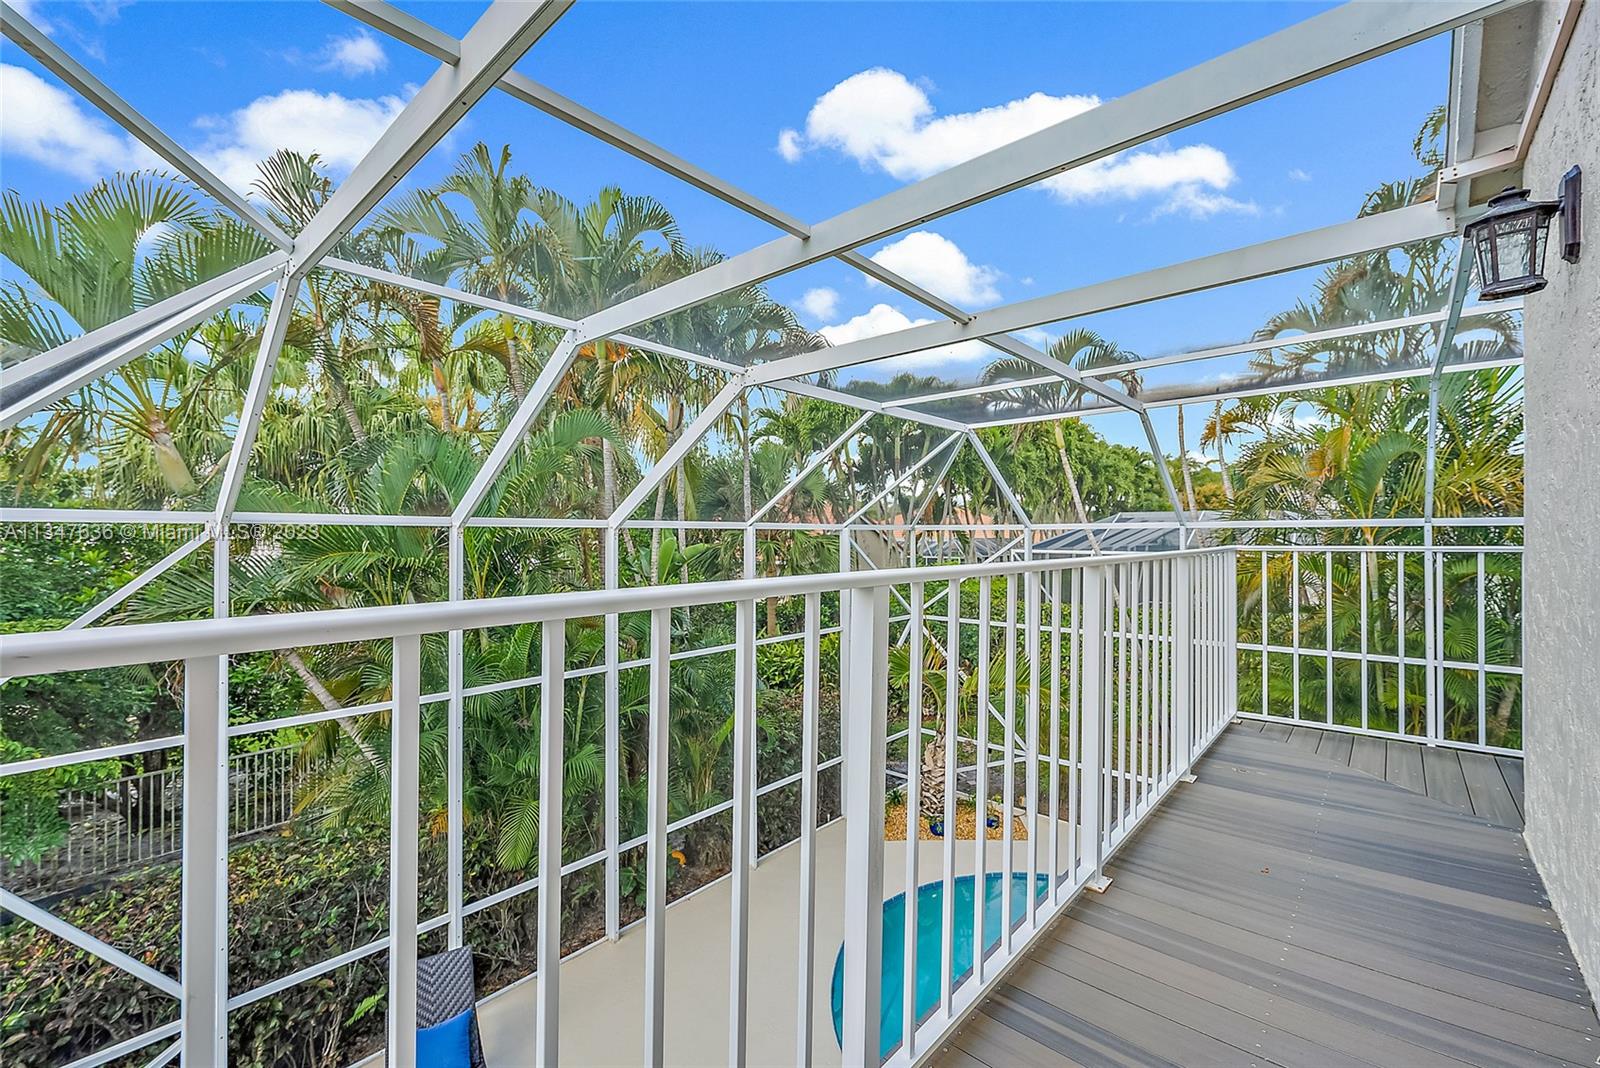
(1562, 327)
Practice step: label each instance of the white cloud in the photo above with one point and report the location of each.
(359, 53)
(881, 119)
(339, 129)
(1298, 175)
(821, 303)
(789, 145)
(937, 264)
(884, 319)
(1197, 203)
(45, 123)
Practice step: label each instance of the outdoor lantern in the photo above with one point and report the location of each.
(1509, 239)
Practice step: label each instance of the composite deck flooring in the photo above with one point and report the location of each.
(1481, 783)
(1285, 909)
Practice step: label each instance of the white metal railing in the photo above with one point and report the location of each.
(1414, 642)
(136, 819)
(1115, 675)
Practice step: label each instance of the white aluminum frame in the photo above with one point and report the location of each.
(469, 68)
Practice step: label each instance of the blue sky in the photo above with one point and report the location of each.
(814, 107)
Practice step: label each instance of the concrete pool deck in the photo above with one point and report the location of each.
(602, 986)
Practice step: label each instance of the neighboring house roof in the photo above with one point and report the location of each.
(1126, 532)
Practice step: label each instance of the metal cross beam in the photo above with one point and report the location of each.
(46, 378)
(1370, 233)
(496, 41)
(697, 429)
(411, 30)
(1322, 45)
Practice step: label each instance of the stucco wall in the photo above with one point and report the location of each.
(1562, 328)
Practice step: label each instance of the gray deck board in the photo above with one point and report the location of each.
(1441, 768)
(1337, 747)
(1511, 768)
(1287, 909)
(1305, 738)
(1491, 797)
(1486, 785)
(1405, 767)
(1369, 755)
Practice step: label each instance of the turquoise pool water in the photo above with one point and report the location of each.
(930, 935)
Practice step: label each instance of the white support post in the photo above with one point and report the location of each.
(455, 742)
(552, 781)
(1032, 621)
(613, 760)
(1230, 631)
(1182, 672)
(1092, 751)
(913, 820)
(866, 698)
(405, 738)
(810, 685)
(205, 864)
(744, 723)
(952, 759)
(655, 908)
(747, 568)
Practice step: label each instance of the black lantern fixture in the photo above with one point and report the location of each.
(1509, 239)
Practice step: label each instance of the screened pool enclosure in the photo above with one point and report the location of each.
(639, 637)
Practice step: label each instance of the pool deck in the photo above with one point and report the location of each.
(602, 986)
(1286, 909)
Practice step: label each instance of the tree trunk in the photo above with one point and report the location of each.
(608, 465)
(329, 703)
(772, 616)
(1072, 487)
(1222, 460)
(744, 422)
(1183, 463)
(681, 485)
(446, 420)
(519, 388)
(347, 407)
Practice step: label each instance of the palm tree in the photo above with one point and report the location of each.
(491, 248)
(123, 244)
(1084, 350)
(591, 256)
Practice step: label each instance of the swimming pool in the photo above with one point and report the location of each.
(930, 935)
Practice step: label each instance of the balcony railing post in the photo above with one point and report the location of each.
(404, 781)
(205, 863)
(1092, 750)
(552, 785)
(1230, 632)
(1182, 661)
(865, 701)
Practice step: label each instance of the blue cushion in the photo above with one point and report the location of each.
(446, 1045)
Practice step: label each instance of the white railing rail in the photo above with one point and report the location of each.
(1398, 641)
(1116, 675)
